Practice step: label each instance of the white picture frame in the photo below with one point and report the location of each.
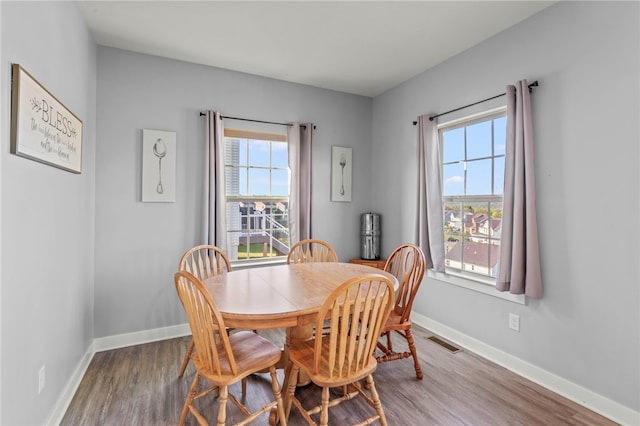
(341, 173)
(158, 166)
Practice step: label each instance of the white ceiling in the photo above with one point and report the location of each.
(359, 47)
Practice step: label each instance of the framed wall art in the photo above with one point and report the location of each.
(158, 166)
(341, 169)
(42, 128)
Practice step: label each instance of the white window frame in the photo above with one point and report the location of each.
(460, 278)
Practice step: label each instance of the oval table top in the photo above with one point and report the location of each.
(281, 295)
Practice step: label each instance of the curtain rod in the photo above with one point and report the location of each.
(531, 86)
(256, 121)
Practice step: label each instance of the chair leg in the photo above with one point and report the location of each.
(376, 400)
(190, 397)
(389, 355)
(278, 396)
(324, 413)
(389, 347)
(414, 354)
(187, 357)
(222, 405)
(291, 390)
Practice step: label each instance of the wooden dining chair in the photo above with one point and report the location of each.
(344, 356)
(311, 251)
(222, 359)
(407, 264)
(202, 261)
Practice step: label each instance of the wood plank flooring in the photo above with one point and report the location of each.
(139, 385)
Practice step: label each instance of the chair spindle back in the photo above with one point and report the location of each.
(207, 326)
(406, 263)
(311, 251)
(357, 310)
(204, 261)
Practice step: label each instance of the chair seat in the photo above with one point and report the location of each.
(302, 354)
(395, 323)
(252, 353)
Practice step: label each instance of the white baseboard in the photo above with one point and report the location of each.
(591, 400)
(70, 389)
(140, 337)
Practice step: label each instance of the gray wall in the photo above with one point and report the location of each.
(585, 56)
(48, 214)
(138, 244)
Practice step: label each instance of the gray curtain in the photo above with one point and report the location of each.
(519, 270)
(214, 230)
(299, 143)
(429, 229)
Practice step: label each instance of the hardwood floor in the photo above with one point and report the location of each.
(139, 385)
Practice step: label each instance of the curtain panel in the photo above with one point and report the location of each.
(214, 229)
(299, 146)
(429, 229)
(519, 270)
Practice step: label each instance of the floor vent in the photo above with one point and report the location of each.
(448, 346)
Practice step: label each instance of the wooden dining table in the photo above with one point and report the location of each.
(281, 296)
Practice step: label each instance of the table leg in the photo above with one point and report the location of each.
(300, 333)
(303, 332)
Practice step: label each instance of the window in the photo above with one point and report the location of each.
(473, 158)
(257, 192)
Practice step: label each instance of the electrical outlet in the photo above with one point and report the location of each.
(41, 377)
(514, 322)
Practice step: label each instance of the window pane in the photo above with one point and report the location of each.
(259, 153)
(496, 215)
(239, 155)
(453, 179)
(472, 237)
(453, 145)
(258, 182)
(498, 176)
(479, 177)
(479, 140)
(476, 257)
(260, 229)
(499, 135)
(279, 182)
(279, 156)
(452, 223)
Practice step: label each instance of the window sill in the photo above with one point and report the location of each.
(256, 263)
(485, 287)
